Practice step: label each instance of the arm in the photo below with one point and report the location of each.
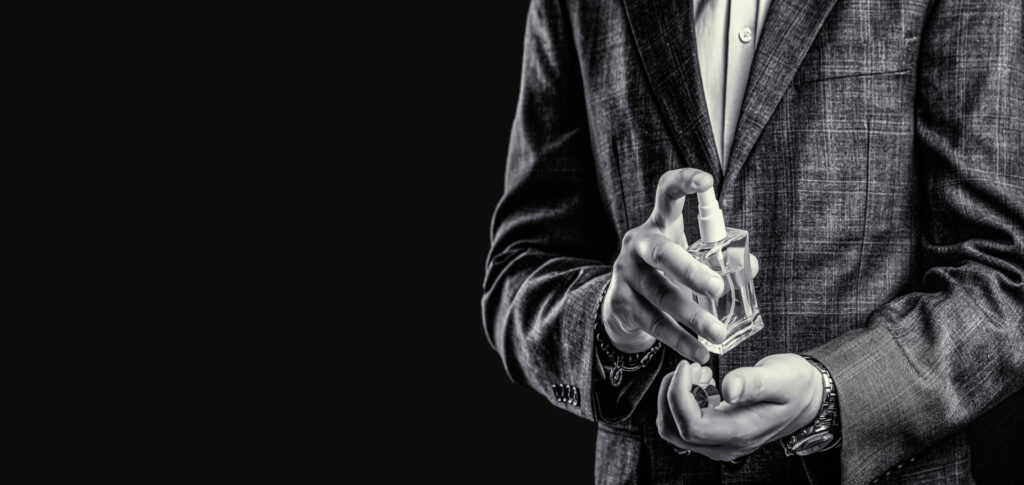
(552, 242)
(933, 360)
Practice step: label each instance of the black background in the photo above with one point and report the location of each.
(448, 78)
(449, 96)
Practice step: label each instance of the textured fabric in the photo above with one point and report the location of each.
(725, 52)
(878, 167)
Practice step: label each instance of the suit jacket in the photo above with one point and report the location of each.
(878, 168)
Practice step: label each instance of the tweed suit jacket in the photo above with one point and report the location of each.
(878, 167)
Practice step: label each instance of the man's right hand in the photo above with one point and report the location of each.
(650, 296)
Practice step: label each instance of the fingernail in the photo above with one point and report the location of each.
(719, 331)
(703, 178)
(715, 329)
(703, 355)
(715, 285)
(732, 389)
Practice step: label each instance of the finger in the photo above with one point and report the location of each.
(673, 187)
(662, 253)
(757, 384)
(641, 314)
(729, 425)
(682, 405)
(664, 422)
(669, 433)
(709, 429)
(696, 371)
(705, 376)
(676, 301)
(726, 426)
(736, 254)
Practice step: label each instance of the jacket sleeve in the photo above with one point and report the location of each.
(932, 360)
(552, 243)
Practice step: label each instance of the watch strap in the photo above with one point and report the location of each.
(826, 425)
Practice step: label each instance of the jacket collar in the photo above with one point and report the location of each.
(663, 31)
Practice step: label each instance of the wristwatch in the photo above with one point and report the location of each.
(823, 433)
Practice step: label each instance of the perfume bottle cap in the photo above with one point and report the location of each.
(709, 217)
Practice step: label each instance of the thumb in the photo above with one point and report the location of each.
(757, 384)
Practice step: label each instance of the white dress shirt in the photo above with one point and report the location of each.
(727, 34)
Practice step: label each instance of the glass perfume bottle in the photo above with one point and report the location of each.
(725, 251)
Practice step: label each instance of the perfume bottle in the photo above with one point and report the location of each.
(725, 251)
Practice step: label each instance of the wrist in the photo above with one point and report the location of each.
(823, 432)
(629, 341)
(815, 395)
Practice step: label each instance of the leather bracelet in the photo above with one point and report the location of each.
(621, 361)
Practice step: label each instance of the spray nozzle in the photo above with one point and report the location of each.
(709, 217)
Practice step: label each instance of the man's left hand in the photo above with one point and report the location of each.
(777, 397)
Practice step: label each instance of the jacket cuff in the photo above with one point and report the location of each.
(876, 385)
(577, 344)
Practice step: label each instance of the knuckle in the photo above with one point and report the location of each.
(657, 325)
(656, 220)
(658, 253)
(680, 343)
(648, 283)
(628, 237)
(618, 302)
(661, 293)
(665, 180)
(694, 321)
(691, 273)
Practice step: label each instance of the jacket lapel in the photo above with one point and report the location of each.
(789, 30)
(663, 30)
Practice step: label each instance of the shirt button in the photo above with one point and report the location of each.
(746, 35)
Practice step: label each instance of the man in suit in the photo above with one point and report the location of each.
(873, 150)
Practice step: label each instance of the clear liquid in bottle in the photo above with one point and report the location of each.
(737, 307)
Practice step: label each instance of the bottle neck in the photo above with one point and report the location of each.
(709, 217)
